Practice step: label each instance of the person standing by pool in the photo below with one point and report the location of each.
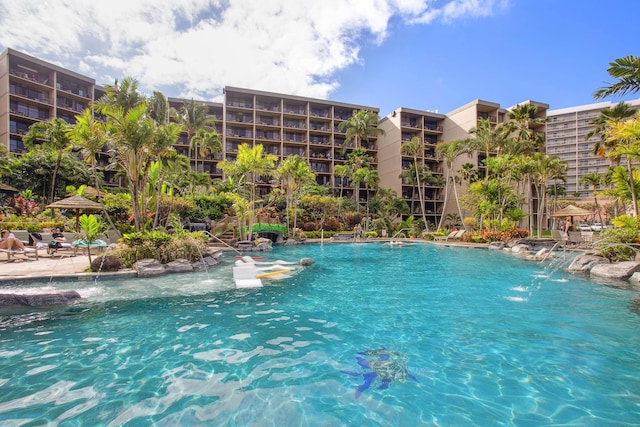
(357, 231)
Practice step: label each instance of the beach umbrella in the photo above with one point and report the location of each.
(571, 211)
(4, 188)
(76, 203)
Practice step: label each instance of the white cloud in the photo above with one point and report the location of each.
(196, 47)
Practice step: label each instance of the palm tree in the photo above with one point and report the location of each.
(369, 177)
(388, 205)
(360, 126)
(158, 108)
(628, 135)
(124, 95)
(413, 148)
(627, 71)
(621, 112)
(90, 136)
(487, 137)
(252, 163)
(53, 135)
(358, 159)
(193, 116)
(342, 171)
(208, 141)
(593, 180)
(545, 169)
(130, 134)
(160, 149)
(525, 139)
(449, 151)
(293, 174)
(468, 172)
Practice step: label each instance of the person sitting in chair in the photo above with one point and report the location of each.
(10, 242)
(59, 241)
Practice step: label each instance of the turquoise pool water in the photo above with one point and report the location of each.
(456, 336)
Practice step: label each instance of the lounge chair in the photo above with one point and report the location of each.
(458, 236)
(22, 235)
(454, 235)
(113, 236)
(447, 237)
(47, 238)
(26, 252)
(587, 236)
(560, 237)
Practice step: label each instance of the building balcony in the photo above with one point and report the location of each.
(239, 104)
(268, 107)
(295, 109)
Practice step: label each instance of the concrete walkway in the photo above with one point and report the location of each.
(46, 266)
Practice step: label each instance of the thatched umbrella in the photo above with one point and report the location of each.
(571, 211)
(90, 191)
(77, 203)
(4, 188)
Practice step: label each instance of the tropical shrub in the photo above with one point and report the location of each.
(617, 244)
(488, 235)
(161, 246)
(212, 207)
(22, 206)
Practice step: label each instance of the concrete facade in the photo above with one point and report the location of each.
(566, 137)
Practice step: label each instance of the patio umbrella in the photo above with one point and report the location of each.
(4, 188)
(77, 203)
(571, 211)
(90, 191)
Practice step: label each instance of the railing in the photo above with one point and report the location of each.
(400, 231)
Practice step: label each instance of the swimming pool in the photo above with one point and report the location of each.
(483, 337)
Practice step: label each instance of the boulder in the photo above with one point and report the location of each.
(106, 263)
(542, 254)
(521, 248)
(620, 270)
(214, 253)
(179, 266)
(306, 261)
(149, 268)
(496, 246)
(205, 263)
(38, 300)
(584, 263)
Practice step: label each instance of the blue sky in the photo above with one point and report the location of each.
(422, 54)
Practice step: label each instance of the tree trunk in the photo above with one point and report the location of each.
(54, 175)
(419, 182)
(634, 198)
(446, 199)
(97, 184)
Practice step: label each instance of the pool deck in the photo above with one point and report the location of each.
(50, 267)
(46, 266)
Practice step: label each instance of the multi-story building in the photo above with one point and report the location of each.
(32, 90)
(291, 125)
(566, 137)
(401, 126)
(208, 164)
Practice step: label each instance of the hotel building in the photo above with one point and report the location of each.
(32, 90)
(566, 137)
